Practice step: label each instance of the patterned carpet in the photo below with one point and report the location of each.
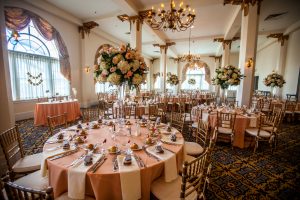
(236, 173)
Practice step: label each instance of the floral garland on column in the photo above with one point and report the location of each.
(120, 65)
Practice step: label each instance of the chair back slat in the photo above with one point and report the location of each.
(90, 114)
(17, 192)
(202, 133)
(11, 146)
(55, 121)
(226, 120)
(177, 121)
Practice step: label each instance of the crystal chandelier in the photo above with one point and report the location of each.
(175, 19)
(189, 58)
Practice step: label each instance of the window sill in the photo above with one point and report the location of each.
(25, 101)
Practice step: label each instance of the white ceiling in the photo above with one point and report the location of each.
(212, 20)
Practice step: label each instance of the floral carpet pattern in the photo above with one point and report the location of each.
(236, 173)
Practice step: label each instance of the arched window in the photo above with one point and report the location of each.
(157, 83)
(34, 66)
(199, 75)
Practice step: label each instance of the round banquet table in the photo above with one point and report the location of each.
(105, 183)
(242, 122)
(45, 109)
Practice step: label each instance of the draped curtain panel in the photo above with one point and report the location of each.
(200, 64)
(18, 19)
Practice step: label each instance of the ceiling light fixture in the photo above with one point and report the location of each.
(175, 19)
(190, 58)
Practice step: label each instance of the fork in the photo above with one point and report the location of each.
(76, 161)
(149, 154)
(115, 164)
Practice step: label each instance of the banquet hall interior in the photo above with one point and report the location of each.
(149, 99)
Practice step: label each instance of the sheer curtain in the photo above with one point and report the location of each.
(24, 69)
(200, 82)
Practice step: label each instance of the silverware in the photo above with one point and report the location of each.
(98, 165)
(64, 154)
(139, 161)
(168, 150)
(76, 161)
(149, 154)
(54, 148)
(171, 143)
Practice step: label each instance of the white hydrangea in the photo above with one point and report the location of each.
(114, 78)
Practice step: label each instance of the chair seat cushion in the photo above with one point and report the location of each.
(297, 112)
(34, 180)
(223, 130)
(195, 125)
(288, 112)
(170, 190)
(193, 148)
(189, 158)
(269, 128)
(28, 163)
(64, 196)
(262, 133)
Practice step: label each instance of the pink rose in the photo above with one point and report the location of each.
(128, 56)
(129, 73)
(113, 69)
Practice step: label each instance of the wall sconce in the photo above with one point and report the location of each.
(249, 63)
(87, 69)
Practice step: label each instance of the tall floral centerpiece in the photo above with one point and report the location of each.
(274, 80)
(226, 76)
(172, 79)
(120, 66)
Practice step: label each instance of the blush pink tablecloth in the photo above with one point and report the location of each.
(45, 109)
(105, 183)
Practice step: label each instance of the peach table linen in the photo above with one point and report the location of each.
(104, 183)
(45, 109)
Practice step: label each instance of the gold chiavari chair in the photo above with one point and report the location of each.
(289, 109)
(266, 106)
(201, 138)
(101, 107)
(117, 112)
(177, 121)
(16, 161)
(57, 121)
(262, 135)
(152, 112)
(129, 110)
(109, 109)
(188, 186)
(225, 125)
(90, 114)
(297, 111)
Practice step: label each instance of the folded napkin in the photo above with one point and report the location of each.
(76, 179)
(169, 159)
(130, 177)
(167, 139)
(48, 154)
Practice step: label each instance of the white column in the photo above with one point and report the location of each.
(136, 35)
(6, 109)
(248, 50)
(163, 67)
(281, 62)
(176, 64)
(226, 54)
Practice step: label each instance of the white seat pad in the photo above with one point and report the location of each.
(34, 180)
(189, 158)
(223, 130)
(269, 128)
(170, 190)
(193, 148)
(28, 163)
(262, 133)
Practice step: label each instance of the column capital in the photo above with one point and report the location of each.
(226, 42)
(280, 37)
(245, 4)
(152, 60)
(132, 19)
(217, 58)
(86, 28)
(164, 47)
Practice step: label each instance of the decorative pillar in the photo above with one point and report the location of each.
(176, 64)
(217, 60)
(280, 68)
(7, 115)
(163, 64)
(249, 28)
(226, 44)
